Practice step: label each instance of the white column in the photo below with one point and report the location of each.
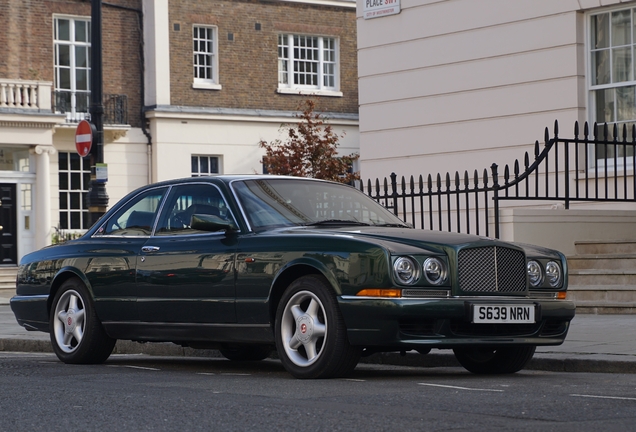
(43, 226)
(157, 52)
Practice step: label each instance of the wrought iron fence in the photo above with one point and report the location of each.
(594, 167)
(76, 106)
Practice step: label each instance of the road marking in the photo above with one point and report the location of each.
(135, 367)
(604, 397)
(459, 388)
(235, 374)
(354, 380)
(205, 373)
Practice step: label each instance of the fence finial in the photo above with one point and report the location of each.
(495, 175)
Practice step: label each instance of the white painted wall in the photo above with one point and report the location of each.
(234, 139)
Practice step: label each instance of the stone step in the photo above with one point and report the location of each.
(7, 281)
(602, 247)
(603, 298)
(601, 277)
(605, 308)
(607, 293)
(7, 293)
(602, 261)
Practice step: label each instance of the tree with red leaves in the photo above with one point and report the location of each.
(310, 150)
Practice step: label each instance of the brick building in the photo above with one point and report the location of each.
(225, 74)
(190, 88)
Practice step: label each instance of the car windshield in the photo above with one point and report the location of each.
(289, 202)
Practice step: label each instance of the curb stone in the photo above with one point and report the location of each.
(540, 362)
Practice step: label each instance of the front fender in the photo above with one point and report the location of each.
(64, 274)
(313, 262)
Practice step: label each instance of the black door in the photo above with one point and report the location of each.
(8, 225)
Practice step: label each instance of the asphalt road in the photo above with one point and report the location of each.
(134, 392)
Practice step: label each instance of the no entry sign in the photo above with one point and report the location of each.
(84, 138)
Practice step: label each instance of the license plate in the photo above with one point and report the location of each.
(513, 314)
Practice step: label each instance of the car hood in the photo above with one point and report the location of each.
(399, 240)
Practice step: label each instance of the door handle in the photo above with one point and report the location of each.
(149, 248)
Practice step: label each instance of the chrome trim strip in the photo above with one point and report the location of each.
(146, 323)
(462, 298)
(240, 205)
(543, 294)
(437, 293)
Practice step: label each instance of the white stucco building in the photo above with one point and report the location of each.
(455, 85)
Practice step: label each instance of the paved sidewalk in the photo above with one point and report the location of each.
(595, 343)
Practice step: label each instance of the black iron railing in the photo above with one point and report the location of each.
(76, 106)
(592, 167)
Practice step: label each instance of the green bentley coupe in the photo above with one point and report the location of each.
(316, 270)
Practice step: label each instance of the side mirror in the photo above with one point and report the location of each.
(211, 223)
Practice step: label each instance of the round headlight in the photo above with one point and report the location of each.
(405, 270)
(434, 271)
(534, 273)
(553, 274)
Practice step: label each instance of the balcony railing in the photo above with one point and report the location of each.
(76, 106)
(26, 95)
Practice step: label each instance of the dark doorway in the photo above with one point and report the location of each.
(8, 225)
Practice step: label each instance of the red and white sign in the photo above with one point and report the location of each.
(83, 138)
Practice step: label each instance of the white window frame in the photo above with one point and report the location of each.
(72, 114)
(198, 172)
(287, 59)
(593, 88)
(84, 176)
(205, 47)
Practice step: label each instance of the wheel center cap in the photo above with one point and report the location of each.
(70, 321)
(305, 326)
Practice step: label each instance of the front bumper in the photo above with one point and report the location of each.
(31, 312)
(387, 323)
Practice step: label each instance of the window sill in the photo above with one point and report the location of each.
(309, 92)
(206, 86)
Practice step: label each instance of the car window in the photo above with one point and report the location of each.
(286, 202)
(187, 200)
(137, 217)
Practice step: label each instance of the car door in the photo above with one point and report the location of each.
(113, 253)
(185, 275)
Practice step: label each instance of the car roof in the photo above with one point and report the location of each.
(228, 178)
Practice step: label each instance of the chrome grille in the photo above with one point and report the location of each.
(425, 293)
(492, 269)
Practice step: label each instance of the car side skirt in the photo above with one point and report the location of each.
(190, 332)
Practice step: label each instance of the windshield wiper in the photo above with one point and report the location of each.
(392, 225)
(337, 222)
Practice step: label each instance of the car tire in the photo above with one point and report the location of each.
(76, 333)
(245, 352)
(311, 337)
(491, 361)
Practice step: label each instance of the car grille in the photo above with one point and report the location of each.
(492, 269)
